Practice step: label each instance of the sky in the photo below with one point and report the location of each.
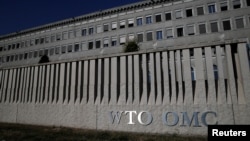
(17, 15)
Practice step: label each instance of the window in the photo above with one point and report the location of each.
(105, 27)
(46, 52)
(114, 41)
(130, 22)
(98, 44)
(239, 23)
(189, 12)
(7, 58)
(131, 37)
(41, 53)
(58, 36)
(178, 14)
(158, 18)
(77, 47)
(1, 49)
(13, 46)
(36, 41)
(91, 30)
(23, 43)
(35, 54)
(71, 34)
(140, 37)
(202, 28)
(53, 38)
(12, 57)
(139, 21)
(57, 51)
(114, 26)
(159, 35)
(168, 16)
(83, 46)
(70, 48)
(106, 42)
(149, 36)
(77, 32)
(30, 54)
(179, 31)
(41, 40)
(223, 6)
(211, 8)
(190, 29)
(17, 45)
(122, 40)
(226, 25)
(47, 39)
(99, 29)
(248, 2)
(63, 50)
(122, 24)
(65, 36)
(214, 27)
(148, 19)
(200, 11)
(51, 51)
(236, 4)
(90, 45)
(169, 33)
(16, 57)
(84, 32)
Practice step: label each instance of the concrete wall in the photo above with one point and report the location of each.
(154, 92)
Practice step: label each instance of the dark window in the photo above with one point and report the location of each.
(236, 4)
(200, 11)
(139, 21)
(84, 32)
(106, 28)
(36, 41)
(77, 47)
(35, 54)
(114, 42)
(239, 23)
(25, 55)
(42, 40)
(13, 46)
(9, 47)
(63, 49)
(17, 45)
(122, 24)
(140, 37)
(168, 16)
(91, 31)
(214, 27)
(46, 52)
(30, 54)
(98, 44)
(90, 45)
(223, 6)
(189, 12)
(149, 36)
(148, 20)
(226, 25)
(16, 57)
(202, 28)
(1, 48)
(57, 50)
(179, 32)
(248, 2)
(20, 56)
(131, 23)
(70, 48)
(211, 8)
(51, 52)
(58, 37)
(159, 35)
(158, 18)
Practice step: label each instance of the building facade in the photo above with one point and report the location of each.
(192, 69)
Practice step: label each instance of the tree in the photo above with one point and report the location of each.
(131, 46)
(44, 59)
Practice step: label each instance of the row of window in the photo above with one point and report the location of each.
(178, 14)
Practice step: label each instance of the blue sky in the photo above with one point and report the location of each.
(16, 15)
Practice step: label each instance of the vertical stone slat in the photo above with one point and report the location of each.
(42, 84)
(166, 94)
(173, 78)
(92, 82)
(27, 84)
(232, 95)
(79, 63)
(245, 75)
(211, 95)
(188, 97)
(73, 83)
(152, 95)
(52, 85)
(144, 97)
(47, 84)
(180, 99)
(113, 86)
(130, 80)
(200, 93)
(9, 86)
(31, 85)
(4, 85)
(105, 99)
(61, 83)
(221, 80)
(158, 78)
(12, 86)
(39, 84)
(22, 86)
(57, 83)
(67, 84)
(34, 94)
(1, 83)
(99, 83)
(85, 82)
(136, 77)
(123, 76)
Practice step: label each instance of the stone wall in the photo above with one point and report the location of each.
(172, 91)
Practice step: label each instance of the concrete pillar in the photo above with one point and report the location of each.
(47, 84)
(200, 92)
(42, 84)
(73, 83)
(166, 94)
(130, 80)
(1, 84)
(61, 83)
(92, 94)
(188, 99)
(5, 85)
(137, 92)
(232, 94)
(123, 76)
(22, 84)
(85, 81)
(152, 96)
(39, 84)
(66, 95)
(245, 73)
(173, 78)
(99, 83)
(179, 77)
(57, 84)
(113, 83)
(34, 91)
(106, 82)
(31, 85)
(12, 86)
(211, 95)
(7, 98)
(78, 80)
(27, 84)
(144, 97)
(158, 78)
(221, 81)
(51, 83)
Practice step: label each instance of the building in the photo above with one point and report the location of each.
(192, 68)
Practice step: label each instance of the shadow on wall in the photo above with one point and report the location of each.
(44, 59)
